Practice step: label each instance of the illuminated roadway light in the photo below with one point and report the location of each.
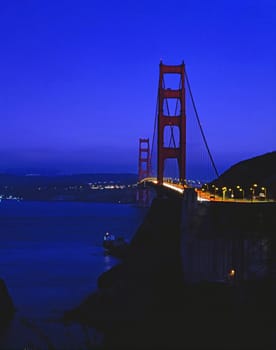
(180, 190)
(175, 188)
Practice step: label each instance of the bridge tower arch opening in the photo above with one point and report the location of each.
(171, 117)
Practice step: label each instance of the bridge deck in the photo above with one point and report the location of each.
(201, 195)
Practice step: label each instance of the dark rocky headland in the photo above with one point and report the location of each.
(145, 302)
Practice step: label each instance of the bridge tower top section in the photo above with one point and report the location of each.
(172, 120)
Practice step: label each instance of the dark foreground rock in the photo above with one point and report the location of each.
(143, 302)
(117, 248)
(6, 306)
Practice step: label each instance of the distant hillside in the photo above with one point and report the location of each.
(82, 187)
(259, 170)
(75, 179)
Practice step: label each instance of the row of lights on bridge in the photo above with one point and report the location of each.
(237, 191)
(234, 192)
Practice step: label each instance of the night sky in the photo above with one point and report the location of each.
(79, 79)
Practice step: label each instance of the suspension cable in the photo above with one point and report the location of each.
(177, 100)
(200, 126)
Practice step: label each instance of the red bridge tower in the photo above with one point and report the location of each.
(165, 119)
(144, 170)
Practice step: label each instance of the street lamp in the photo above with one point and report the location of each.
(238, 188)
(252, 193)
(264, 189)
(242, 191)
(224, 189)
(253, 189)
(213, 188)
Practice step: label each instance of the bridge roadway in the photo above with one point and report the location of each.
(201, 195)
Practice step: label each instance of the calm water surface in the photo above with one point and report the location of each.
(50, 257)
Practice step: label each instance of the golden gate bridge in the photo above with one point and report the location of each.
(170, 142)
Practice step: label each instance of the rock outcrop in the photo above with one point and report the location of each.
(6, 306)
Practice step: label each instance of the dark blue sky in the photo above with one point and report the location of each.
(79, 79)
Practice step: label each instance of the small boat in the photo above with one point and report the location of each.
(114, 246)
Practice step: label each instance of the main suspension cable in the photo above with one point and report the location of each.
(200, 126)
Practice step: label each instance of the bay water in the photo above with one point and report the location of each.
(50, 258)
